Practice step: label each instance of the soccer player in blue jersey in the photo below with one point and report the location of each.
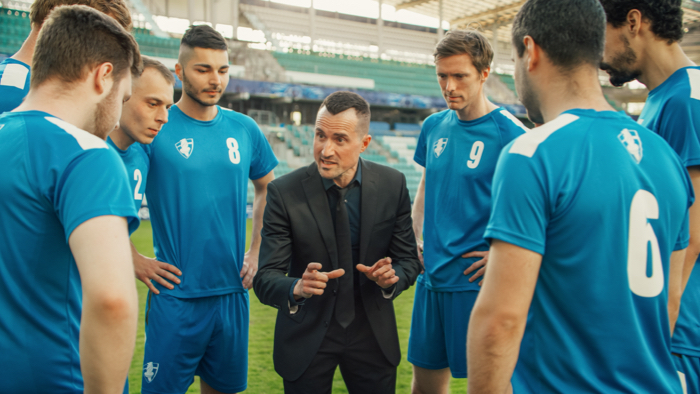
(200, 164)
(643, 43)
(459, 148)
(68, 304)
(15, 70)
(142, 118)
(588, 228)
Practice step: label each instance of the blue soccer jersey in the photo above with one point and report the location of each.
(137, 164)
(57, 177)
(197, 188)
(460, 158)
(14, 84)
(673, 111)
(605, 202)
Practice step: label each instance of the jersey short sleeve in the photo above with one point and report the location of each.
(520, 208)
(264, 159)
(684, 236)
(14, 84)
(421, 147)
(680, 125)
(94, 184)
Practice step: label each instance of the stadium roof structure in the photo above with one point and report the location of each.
(499, 15)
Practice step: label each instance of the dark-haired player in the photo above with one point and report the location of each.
(68, 304)
(643, 43)
(200, 164)
(15, 70)
(142, 118)
(588, 229)
(459, 148)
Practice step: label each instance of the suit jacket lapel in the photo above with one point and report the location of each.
(368, 206)
(318, 204)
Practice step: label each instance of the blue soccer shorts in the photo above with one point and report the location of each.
(207, 337)
(688, 368)
(439, 324)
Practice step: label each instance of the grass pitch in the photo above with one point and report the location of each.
(262, 378)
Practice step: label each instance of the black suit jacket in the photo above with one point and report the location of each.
(298, 229)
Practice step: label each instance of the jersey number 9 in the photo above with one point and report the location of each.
(475, 154)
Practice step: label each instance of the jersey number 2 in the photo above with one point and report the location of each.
(233, 152)
(641, 239)
(475, 154)
(138, 178)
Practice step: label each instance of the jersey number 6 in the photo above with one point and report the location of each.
(233, 152)
(641, 237)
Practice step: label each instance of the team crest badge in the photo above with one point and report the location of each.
(439, 146)
(630, 140)
(150, 370)
(185, 146)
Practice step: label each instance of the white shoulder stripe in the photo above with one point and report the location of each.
(694, 79)
(14, 75)
(515, 120)
(85, 139)
(527, 143)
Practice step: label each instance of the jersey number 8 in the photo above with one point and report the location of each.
(233, 152)
(641, 237)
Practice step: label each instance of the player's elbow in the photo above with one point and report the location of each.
(112, 306)
(693, 250)
(498, 323)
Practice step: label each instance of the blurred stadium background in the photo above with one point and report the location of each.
(287, 55)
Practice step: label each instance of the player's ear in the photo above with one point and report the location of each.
(178, 70)
(532, 53)
(103, 78)
(634, 22)
(485, 74)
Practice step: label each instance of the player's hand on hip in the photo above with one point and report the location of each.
(314, 282)
(381, 272)
(250, 268)
(479, 265)
(148, 269)
(419, 242)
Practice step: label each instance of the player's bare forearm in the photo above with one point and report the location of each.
(250, 262)
(675, 287)
(110, 307)
(259, 203)
(497, 322)
(418, 211)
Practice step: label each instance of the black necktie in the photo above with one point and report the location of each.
(345, 304)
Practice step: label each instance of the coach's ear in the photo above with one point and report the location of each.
(103, 77)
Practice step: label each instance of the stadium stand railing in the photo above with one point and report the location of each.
(389, 76)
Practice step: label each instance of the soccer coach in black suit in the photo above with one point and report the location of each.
(337, 248)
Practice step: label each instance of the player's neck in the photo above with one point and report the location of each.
(196, 110)
(661, 61)
(579, 89)
(475, 110)
(121, 139)
(26, 52)
(55, 99)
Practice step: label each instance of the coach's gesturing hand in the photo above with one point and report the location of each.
(147, 269)
(381, 272)
(313, 282)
